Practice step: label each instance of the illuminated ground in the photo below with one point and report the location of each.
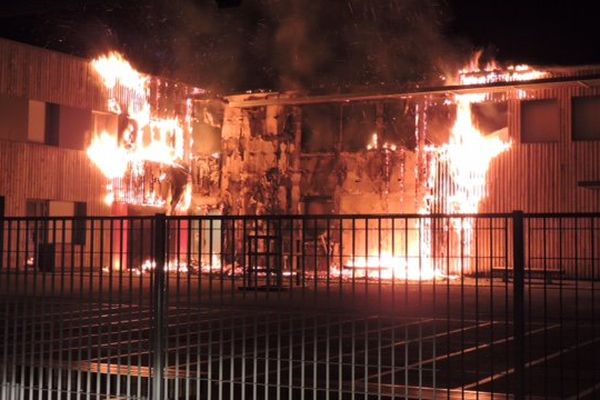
(415, 340)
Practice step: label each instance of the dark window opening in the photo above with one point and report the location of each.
(586, 118)
(490, 117)
(257, 120)
(399, 124)
(52, 124)
(38, 228)
(206, 139)
(440, 117)
(540, 121)
(37, 208)
(320, 128)
(74, 125)
(13, 115)
(359, 125)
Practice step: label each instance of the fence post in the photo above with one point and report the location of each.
(1, 231)
(159, 306)
(519, 303)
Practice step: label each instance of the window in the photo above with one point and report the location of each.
(36, 208)
(38, 229)
(586, 118)
(13, 114)
(439, 122)
(257, 120)
(36, 127)
(358, 126)
(206, 131)
(57, 230)
(540, 121)
(105, 122)
(74, 125)
(490, 117)
(399, 124)
(320, 128)
(60, 230)
(52, 124)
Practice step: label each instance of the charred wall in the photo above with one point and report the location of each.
(552, 174)
(260, 160)
(278, 159)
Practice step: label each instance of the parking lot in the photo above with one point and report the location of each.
(448, 339)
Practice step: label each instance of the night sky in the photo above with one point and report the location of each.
(536, 32)
(319, 46)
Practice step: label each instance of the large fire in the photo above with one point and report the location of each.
(145, 151)
(460, 188)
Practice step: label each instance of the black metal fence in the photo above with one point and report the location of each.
(307, 307)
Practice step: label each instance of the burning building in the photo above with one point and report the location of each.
(98, 137)
(59, 114)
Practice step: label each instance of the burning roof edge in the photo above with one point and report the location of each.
(586, 76)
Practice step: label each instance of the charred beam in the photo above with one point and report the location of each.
(281, 99)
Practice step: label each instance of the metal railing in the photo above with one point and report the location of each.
(335, 307)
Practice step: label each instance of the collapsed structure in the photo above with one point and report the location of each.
(97, 137)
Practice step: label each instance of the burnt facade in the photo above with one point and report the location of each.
(552, 163)
(271, 153)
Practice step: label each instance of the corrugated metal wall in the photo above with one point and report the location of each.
(39, 74)
(543, 177)
(34, 171)
(44, 75)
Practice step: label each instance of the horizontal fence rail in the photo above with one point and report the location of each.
(323, 306)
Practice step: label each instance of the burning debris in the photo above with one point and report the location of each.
(491, 72)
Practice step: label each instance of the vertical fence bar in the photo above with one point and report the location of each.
(518, 304)
(1, 231)
(158, 309)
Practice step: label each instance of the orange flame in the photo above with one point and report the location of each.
(469, 153)
(390, 267)
(474, 74)
(147, 138)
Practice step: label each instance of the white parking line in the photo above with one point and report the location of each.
(532, 363)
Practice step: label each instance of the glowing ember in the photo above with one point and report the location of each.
(146, 138)
(374, 144)
(390, 267)
(180, 266)
(474, 74)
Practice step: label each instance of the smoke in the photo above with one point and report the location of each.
(269, 44)
(356, 44)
